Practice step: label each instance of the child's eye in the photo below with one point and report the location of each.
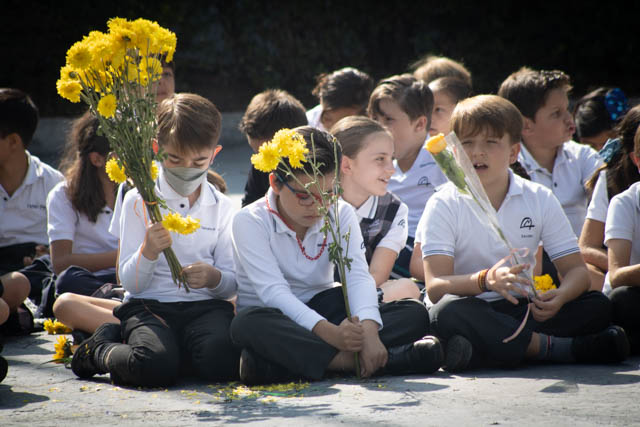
(465, 142)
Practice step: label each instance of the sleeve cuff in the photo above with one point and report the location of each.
(370, 314)
(309, 319)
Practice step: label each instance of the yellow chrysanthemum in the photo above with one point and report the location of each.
(68, 73)
(69, 89)
(543, 283)
(167, 41)
(61, 328)
(115, 172)
(122, 33)
(267, 158)
(132, 72)
(436, 144)
(48, 326)
(154, 171)
(173, 222)
(190, 225)
(152, 68)
(107, 105)
(284, 139)
(297, 155)
(79, 55)
(101, 47)
(63, 349)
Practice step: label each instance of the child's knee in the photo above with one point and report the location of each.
(4, 311)
(243, 326)
(16, 288)
(64, 305)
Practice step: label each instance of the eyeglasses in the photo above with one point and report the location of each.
(304, 199)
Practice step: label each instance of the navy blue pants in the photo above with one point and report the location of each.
(81, 281)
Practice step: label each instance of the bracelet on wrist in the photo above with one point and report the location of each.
(482, 280)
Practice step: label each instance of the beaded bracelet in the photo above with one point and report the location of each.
(482, 280)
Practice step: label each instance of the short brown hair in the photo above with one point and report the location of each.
(352, 130)
(189, 122)
(636, 143)
(487, 113)
(18, 114)
(344, 88)
(528, 89)
(454, 87)
(433, 67)
(270, 111)
(412, 95)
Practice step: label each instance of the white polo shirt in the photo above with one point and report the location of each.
(529, 214)
(272, 271)
(313, 117)
(574, 165)
(599, 203)
(66, 223)
(396, 237)
(623, 222)
(415, 186)
(211, 243)
(24, 214)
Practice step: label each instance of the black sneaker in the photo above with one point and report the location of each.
(256, 370)
(457, 354)
(608, 346)
(421, 357)
(4, 368)
(82, 362)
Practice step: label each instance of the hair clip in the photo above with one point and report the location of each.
(610, 149)
(616, 103)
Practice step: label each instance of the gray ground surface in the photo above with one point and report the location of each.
(47, 394)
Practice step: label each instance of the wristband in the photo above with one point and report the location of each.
(482, 280)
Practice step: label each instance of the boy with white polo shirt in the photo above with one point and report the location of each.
(404, 105)
(24, 184)
(164, 326)
(622, 237)
(479, 301)
(291, 320)
(548, 154)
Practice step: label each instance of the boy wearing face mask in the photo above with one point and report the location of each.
(163, 326)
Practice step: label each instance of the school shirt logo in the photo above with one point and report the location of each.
(526, 223)
(402, 223)
(424, 181)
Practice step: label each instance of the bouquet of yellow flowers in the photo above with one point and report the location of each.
(287, 143)
(114, 74)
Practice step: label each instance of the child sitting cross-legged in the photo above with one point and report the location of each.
(291, 320)
(163, 326)
(367, 165)
(479, 302)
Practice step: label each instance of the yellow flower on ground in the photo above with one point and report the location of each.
(79, 55)
(544, 283)
(173, 222)
(69, 89)
(63, 349)
(107, 105)
(61, 328)
(154, 171)
(267, 158)
(115, 172)
(436, 144)
(48, 326)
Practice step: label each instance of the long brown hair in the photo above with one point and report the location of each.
(84, 187)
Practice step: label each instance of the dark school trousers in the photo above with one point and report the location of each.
(485, 324)
(81, 281)
(277, 338)
(161, 337)
(625, 302)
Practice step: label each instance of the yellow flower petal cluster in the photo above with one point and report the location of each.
(543, 283)
(107, 105)
(154, 171)
(69, 89)
(285, 143)
(63, 349)
(436, 144)
(54, 327)
(176, 223)
(79, 55)
(115, 172)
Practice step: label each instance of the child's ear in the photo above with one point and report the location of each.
(345, 165)
(635, 159)
(273, 183)
(97, 159)
(420, 124)
(513, 155)
(528, 127)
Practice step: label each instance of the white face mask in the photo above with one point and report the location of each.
(184, 180)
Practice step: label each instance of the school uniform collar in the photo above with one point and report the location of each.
(207, 195)
(530, 163)
(368, 208)
(279, 225)
(34, 169)
(516, 184)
